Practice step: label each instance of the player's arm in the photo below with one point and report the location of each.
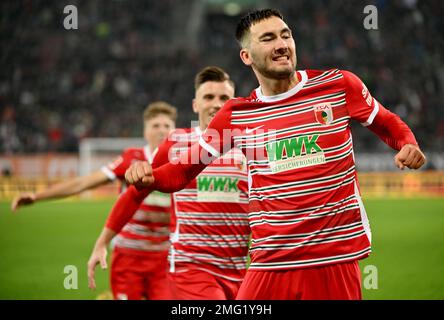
(99, 254)
(62, 190)
(395, 133)
(114, 170)
(167, 178)
(123, 210)
(173, 177)
(170, 177)
(129, 201)
(385, 124)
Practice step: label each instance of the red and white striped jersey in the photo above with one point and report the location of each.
(148, 230)
(209, 220)
(305, 205)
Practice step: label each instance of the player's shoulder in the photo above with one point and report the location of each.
(349, 77)
(345, 79)
(134, 153)
(241, 102)
(352, 80)
(322, 74)
(231, 105)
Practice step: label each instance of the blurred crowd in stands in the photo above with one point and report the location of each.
(59, 86)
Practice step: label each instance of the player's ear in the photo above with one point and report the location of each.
(195, 106)
(245, 57)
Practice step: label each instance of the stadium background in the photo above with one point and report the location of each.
(59, 88)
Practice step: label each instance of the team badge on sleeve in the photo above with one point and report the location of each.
(323, 113)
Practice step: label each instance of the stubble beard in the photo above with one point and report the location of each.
(274, 74)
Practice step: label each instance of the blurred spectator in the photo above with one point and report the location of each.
(10, 142)
(95, 81)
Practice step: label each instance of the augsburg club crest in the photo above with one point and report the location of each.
(323, 113)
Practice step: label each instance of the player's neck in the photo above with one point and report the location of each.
(272, 87)
(202, 126)
(152, 148)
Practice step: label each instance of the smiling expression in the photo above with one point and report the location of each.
(270, 49)
(210, 97)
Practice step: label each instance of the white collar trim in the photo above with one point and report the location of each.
(198, 131)
(286, 94)
(148, 154)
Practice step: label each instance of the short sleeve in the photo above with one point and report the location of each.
(116, 169)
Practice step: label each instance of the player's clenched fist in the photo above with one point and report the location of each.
(140, 174)
(410, 156)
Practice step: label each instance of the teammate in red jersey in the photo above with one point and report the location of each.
(139, 259)
(209, 227)
(309, 226)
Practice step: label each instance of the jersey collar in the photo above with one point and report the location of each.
(198, 131)
(148, 154)
(283, 95)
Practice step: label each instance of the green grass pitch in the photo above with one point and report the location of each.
(39, 241)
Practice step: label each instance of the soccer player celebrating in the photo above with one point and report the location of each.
(309, 226)
(209, 226)
(139, 260)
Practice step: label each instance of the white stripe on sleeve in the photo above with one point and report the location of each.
(373, 114)
(111, 175)
(209, 148)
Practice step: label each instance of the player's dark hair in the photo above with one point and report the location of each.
(211, 73)
(251, 18)
(160, 107)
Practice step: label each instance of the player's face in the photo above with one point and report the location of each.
(157, 129)
(270, 49)
(210, 97)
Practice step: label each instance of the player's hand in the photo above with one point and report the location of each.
(98, 256)
(140, 174)
(21, 200)
(410, 156)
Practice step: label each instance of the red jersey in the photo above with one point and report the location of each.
(305, 204)
(148, 230)
(209, 221)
